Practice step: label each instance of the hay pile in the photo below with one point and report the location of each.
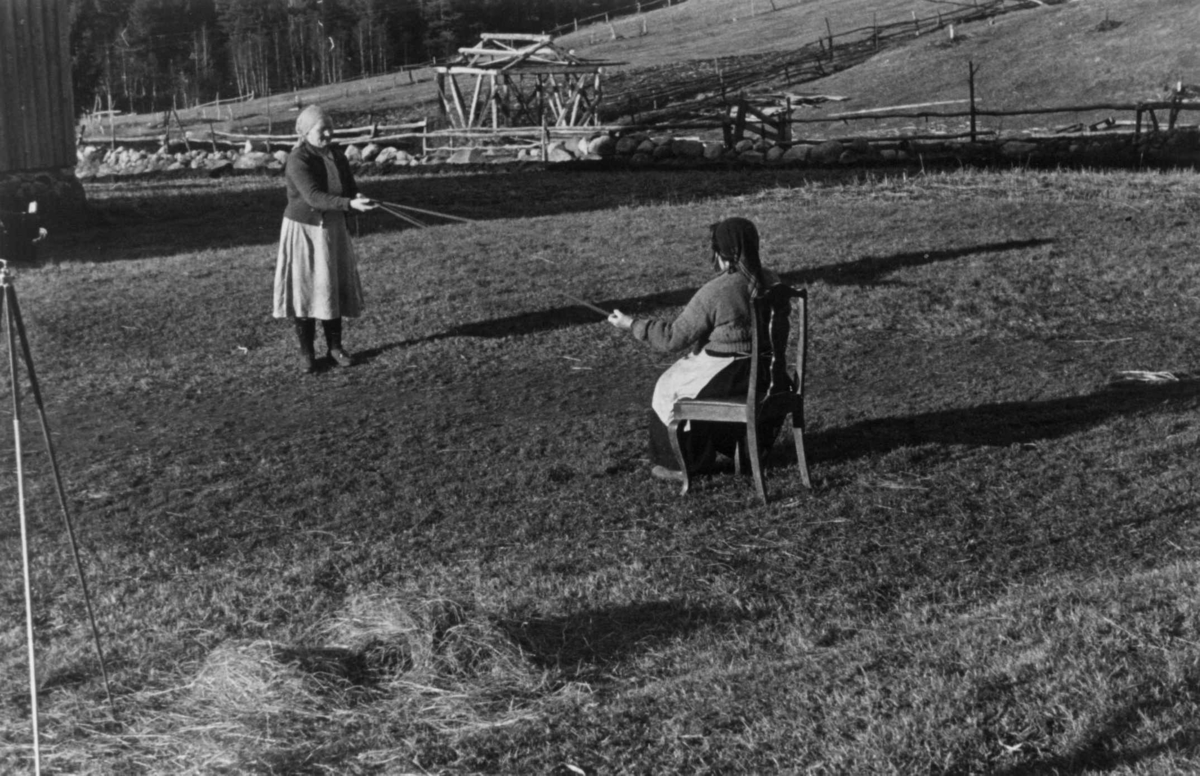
(388, 670)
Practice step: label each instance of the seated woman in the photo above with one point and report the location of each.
(716, 328)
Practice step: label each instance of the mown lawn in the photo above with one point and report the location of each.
(450, 557)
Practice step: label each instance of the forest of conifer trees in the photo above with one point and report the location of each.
(148, 55)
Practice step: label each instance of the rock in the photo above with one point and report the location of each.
(795, 155)
(663, 151)
(603, 146)
(688, 149)
(466, 156)
(775, 153)
(370, 152)
(252, 161)
(860, 148)
(743, 146)
(826, 153)
(752, 157)
(557, 152)
(385, 155)
(714, 151)
(1016, 149)
(629, 145)
(647, 147)
(219, 168)
(281, 156)
(353, 154)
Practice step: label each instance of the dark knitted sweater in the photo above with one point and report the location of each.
(717, 319)
(317, 182)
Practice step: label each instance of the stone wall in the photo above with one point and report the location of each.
(1180, 147)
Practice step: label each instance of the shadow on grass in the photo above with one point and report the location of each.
(167, 214)
(1001, 424)
(1100, 750)
(873, 270)
(589, 642)
(869, 270)
(171, 213)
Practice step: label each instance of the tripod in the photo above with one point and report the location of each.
(14, 331)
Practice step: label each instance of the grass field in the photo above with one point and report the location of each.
(450, 557)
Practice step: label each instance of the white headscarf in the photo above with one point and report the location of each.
(309, 118)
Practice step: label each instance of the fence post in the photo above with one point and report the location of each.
(829, 28)
(112, 127)
(785, 125)
(971, 84)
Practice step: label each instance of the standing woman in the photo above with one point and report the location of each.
(716, 329)
(316, 275)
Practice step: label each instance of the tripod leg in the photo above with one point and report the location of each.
(15, 316)
(6, 304)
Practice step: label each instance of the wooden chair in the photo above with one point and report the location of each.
(782, 397)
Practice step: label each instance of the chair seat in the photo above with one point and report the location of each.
(720, 409)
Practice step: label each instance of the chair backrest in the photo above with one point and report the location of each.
(769, 372)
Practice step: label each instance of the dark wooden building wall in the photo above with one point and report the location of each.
(37, 117)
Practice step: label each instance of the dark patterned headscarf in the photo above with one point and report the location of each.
(736, 241)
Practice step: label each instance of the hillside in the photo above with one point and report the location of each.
(1072, 53)
(1081, 53)
(1028, 55)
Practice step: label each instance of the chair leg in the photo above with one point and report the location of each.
(737, 457)
(673, 435)
(801, 460)
(755, 464)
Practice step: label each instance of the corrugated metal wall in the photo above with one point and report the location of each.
(37, 117)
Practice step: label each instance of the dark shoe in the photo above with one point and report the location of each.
(308, 364)
(340, 356)
(668, 475)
